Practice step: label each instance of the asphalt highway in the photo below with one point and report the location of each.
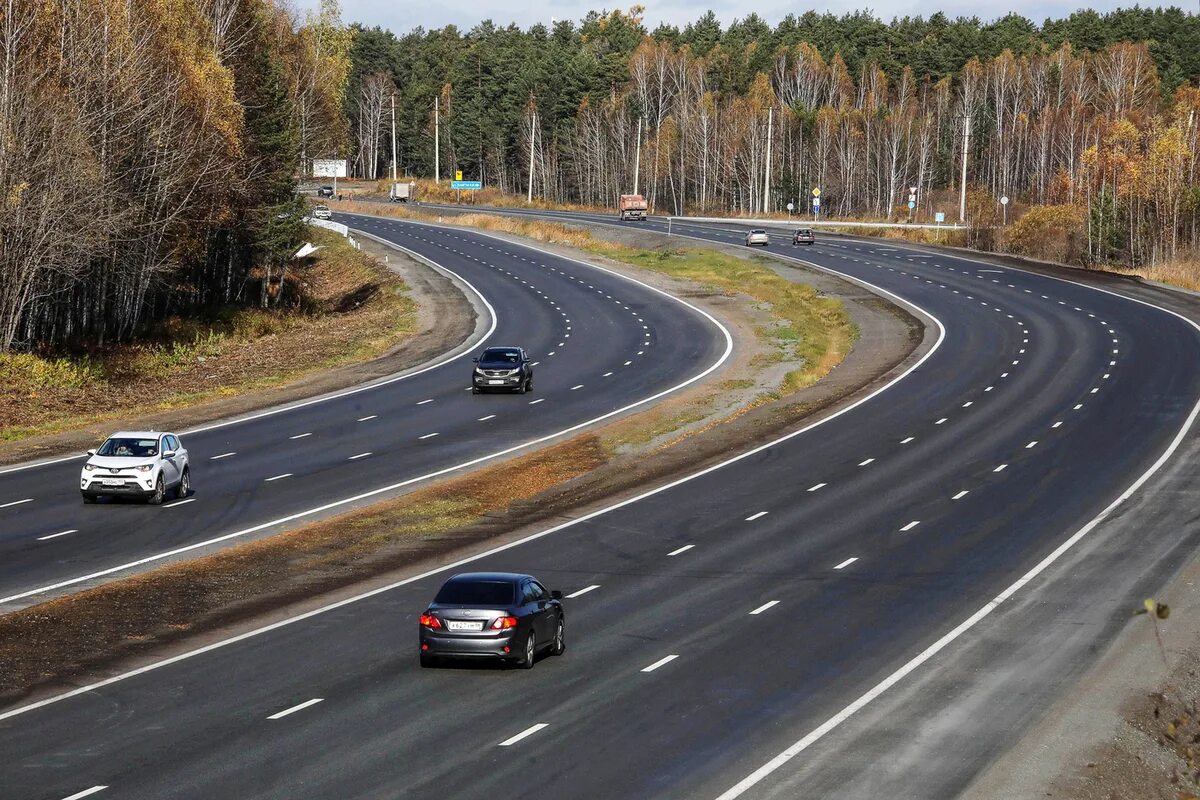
(716, 627)
(600, 343)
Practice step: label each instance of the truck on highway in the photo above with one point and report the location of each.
(632, 206)
(402, 192)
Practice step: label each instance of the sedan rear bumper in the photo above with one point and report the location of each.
(435, 644)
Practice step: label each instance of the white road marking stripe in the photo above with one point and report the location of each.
(764, 607)
(16, 502)
(530, 731)
(988, 389)
(294, 709)
(583, 591)
(428, 435)
(660, 662)
(683, 549)
(579, 386)
(753, 517)
(1078, 406)
(960, 495)
(814, 488)
(180, 502)
(278, 477)
(1000, 468)
(300, 436)
(605, 375)
(968, 404)
(864, 463)
(364, 419)
(360, 455)
(1055, 425)
(627, 363)
(1031, 445)
(846, 563)
(56, 535)
(940, 421)
(906, 441)
(223, 455)
(86, 793)
(535, 402)
(911, 525)
(485, 419)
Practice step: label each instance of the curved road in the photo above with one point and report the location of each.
(734, 616)
(600, 343)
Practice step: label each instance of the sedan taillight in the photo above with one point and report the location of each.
(430, 621)
(503, 623)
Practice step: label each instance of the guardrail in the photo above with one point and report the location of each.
(813, 223)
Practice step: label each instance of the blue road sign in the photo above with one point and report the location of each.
(466, 184)
(940, 216)
(911, 204)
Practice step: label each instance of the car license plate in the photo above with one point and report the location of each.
(462, 625)
(495, 383)
(114, 483)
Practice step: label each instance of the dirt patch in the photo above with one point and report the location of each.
(384, 317)
(86, 634)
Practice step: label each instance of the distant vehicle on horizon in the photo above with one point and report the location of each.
(632, 206)
(322, 212)
(325, 191)
(804, 236)
(757, 236)
(402, 192)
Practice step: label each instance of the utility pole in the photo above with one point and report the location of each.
(437, 142)
(637, 159)
(393, 141)
(962, 189)
(767, 180)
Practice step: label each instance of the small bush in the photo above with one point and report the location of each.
(27, 370)
(1053, 233)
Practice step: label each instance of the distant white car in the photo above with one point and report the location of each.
(144, 464)
(322, 212)
(757, 237)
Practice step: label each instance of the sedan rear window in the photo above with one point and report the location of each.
(133, 448)
(471, 593)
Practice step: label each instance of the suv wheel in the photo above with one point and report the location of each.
(185, 485)
(159, 490)
(523, 387)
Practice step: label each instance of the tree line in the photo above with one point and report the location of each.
(148, 156)
(1095, 112)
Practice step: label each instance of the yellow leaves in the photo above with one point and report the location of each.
(12, 200)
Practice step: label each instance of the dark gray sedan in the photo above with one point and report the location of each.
(493, 615)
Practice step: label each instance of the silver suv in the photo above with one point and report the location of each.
(142, 464)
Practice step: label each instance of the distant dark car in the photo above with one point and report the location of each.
(804, 236)
(325, 191)
(492, 615)
(505, 368)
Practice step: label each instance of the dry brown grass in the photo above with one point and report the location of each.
(1184, 272)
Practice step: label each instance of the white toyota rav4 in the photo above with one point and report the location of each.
(143, 464)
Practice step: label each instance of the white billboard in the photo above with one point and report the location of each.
(329, 168)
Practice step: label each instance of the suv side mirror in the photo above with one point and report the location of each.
(91, 452)
(168, 454)
(556, 595)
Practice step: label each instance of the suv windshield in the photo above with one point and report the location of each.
(131, 448)
(500, 357)
(476, 593)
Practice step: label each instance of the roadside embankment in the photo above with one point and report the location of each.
(351, 319)
(773, 382)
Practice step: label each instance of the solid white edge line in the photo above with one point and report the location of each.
(223, 455)
(466, 347)
(180, 502)
(582, 591)
(86, 793)
(16, 503)
(278, 477)
(445, 470)
(530, 731)
(660, 662)
(764, 607)
(295, 708)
